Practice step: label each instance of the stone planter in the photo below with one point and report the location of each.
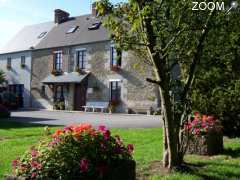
(209, 144)
(125, 171)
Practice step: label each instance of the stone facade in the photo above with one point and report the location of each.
(135, 91)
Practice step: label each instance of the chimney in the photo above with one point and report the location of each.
(94, 9)
(60, 16)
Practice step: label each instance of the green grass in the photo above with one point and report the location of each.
(15, 138)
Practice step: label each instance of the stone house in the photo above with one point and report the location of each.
(16, 60)
(77, 63)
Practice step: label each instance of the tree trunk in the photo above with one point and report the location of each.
(171, 137)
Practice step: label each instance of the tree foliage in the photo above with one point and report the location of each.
(217, 87)
(173, 37)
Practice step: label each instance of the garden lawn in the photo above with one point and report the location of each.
(15, 138)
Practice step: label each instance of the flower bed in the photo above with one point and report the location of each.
(77, 152)
(204, 135)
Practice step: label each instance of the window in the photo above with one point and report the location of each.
(115, 57)
(72, 29)
(57, 61)
(43, 91)
(81, 59)
(23, 61)
(18, 90)
(60, 93)
(95, 26)
(9, 63)
(115, 91)
(42, 35)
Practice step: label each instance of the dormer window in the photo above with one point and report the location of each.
(42, 35)
(95, 26)
(115, 58)
(72, 29)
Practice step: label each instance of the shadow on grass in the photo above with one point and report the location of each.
(23, 122)
(218, 169)
(234, 153)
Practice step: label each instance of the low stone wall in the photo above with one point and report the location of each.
(209, 144)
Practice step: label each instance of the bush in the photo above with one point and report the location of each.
(75, 152)
(9, 100)
(222, 102)
(4, 112)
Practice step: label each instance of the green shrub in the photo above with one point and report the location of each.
(220, 101)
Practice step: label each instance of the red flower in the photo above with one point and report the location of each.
(204, 118)
(84, 165)
(82, 128)
(130, 148)
(57, 133)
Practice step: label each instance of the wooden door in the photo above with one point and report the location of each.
(80, 96)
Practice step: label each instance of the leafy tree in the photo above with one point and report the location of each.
(172, 35)
(216, 90)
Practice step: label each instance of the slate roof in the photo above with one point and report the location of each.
(73, 77)
(58, 37)
(27, 38)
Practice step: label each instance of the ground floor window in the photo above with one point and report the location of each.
(115, 91)
(18, 90)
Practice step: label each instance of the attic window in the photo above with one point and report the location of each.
(42, 35)
(95, 26)
(72, 29)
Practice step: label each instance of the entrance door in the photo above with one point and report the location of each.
(80, 96)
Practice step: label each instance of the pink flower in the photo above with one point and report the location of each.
(68, 129)
(102, 128)
(35, 164)
(33, 175)
(106, 134)
(84, 165)
(130, 148)
(118, 140)
(34, 153)
(15, 163)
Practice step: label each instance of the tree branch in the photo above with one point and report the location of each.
(196, 58)
(153, 81)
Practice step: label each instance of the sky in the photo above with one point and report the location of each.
(15, 14)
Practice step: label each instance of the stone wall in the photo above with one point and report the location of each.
(135, 91)
(42, 67)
